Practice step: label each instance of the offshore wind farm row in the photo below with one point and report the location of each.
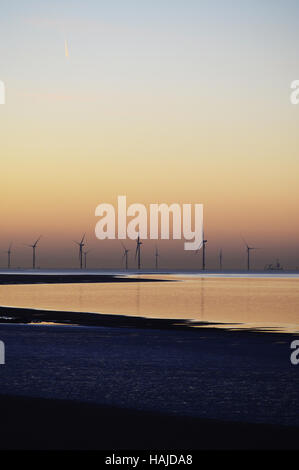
(82, 255)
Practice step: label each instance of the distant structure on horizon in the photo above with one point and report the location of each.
(274, 267)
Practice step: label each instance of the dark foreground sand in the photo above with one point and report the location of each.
(55, 424)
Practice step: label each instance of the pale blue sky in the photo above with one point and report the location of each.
(198, 35)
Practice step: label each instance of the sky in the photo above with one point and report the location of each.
(163, 101)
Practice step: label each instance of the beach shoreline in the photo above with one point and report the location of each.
(22, 315)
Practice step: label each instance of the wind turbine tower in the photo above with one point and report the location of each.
(157, 258)
(9, 256)
(33, 251)
(138, 252)
(203, 246)
(248, 250)
(85, 258)
(204, 242)
(81, 244)
(125, 256)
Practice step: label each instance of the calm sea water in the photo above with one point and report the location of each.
(238, 302)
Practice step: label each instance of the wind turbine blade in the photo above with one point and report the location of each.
(38, 240)
(200, 246)
(244, 241)
(83, 238)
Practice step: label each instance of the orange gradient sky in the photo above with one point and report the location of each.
(188, 106)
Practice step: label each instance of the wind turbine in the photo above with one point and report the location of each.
(156, 257)
(81, 244)
(248, 249)
(138, 251)
(125, 256)
(33, 250)
(9, 255)
(203, 246)
(220, 259)
(85, 258)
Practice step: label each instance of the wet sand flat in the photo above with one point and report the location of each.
(203, 374)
